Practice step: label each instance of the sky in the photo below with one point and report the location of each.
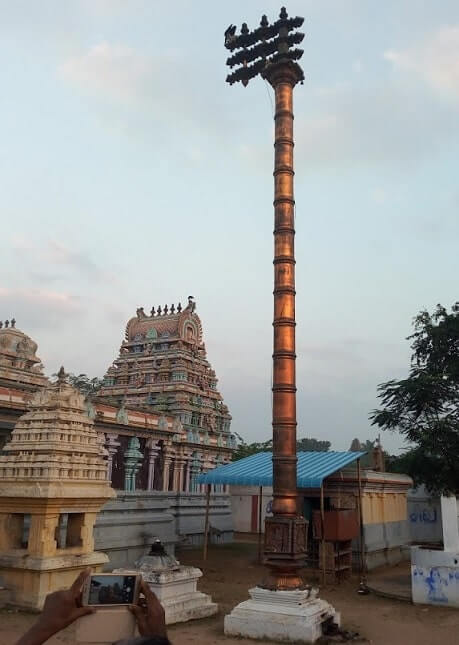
(132, 175)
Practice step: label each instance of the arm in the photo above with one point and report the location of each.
(61, 608)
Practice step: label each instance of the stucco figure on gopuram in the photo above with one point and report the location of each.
(162, 369)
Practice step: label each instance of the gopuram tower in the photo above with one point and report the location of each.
(162, 367)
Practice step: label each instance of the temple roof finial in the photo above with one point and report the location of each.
(62, 376)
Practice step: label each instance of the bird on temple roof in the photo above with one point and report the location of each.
(230, 34)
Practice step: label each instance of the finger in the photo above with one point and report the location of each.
(150, 597)
(79, 582)
(137, 611)
(83, 611)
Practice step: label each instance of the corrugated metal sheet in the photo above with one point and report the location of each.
(257, 470)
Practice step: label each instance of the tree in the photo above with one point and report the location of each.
(246, 449)
(424, 406)
(305, 445)
(309, 444)
(82, 382)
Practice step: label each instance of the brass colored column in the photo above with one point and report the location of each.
(269, 51)
(285, 536)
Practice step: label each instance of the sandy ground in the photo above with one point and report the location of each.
(231, 570)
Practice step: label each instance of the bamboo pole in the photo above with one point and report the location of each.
(260, 504)
(206, 524)
(322, 519)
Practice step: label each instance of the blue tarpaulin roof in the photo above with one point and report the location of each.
(257, 470)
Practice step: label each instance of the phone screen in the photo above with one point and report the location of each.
(111, 590)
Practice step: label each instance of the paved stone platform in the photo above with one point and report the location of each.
(394, 582)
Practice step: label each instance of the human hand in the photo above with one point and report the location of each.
(149, 613)
(61, 608)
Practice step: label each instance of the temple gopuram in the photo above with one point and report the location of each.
(163, 419)
(21, 373)
(162, 369)
(162, 423)
(162, 366)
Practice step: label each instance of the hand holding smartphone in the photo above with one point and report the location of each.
(111, 589)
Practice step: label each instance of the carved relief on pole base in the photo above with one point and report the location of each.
(284, 551)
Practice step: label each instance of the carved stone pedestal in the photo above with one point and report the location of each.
(174, 585)
(176, 591)
(290, 616)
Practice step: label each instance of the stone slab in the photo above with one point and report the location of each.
(188, 607)
(106, 626)
(288, 616)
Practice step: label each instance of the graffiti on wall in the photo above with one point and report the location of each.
(424, 515)
(435, 585)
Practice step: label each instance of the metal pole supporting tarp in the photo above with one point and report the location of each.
(260, 505)
(206, 524)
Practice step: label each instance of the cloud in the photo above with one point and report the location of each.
(124, 76)
(55, 254)
(148, 95)
(386, 123)
(435, 61)
(116, 70)
(379, 195)
(39, 307)
(351, 126)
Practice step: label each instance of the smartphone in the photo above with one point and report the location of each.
(111, 589)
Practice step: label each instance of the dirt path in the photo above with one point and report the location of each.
(230, 571)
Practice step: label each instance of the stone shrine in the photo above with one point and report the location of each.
(53, 482)
(174, 585)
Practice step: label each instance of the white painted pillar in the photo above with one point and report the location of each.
(449, 522)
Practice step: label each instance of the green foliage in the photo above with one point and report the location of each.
(412, 462)
(246, 449)
(309, 444)
(305, 445)
(424, 407)
(82, 382)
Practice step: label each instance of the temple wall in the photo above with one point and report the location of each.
(189, 512)
(424, 517)
(379, 507)
(244, 506)
(386, 543)
(127, 525)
